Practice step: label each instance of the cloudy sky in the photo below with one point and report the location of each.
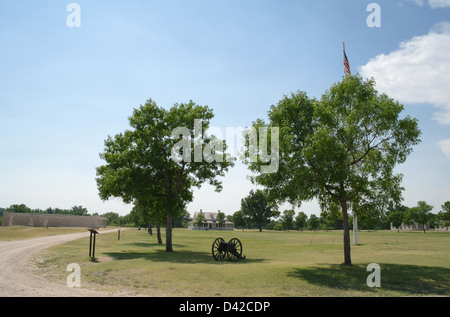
(64, 89)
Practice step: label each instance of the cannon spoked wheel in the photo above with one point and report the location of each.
(219, 249)
(234, 250)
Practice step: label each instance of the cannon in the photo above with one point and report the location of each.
(232, 249)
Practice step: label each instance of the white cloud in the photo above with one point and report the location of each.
(445, 147)
(439, 3)
(418, 2)
(418, 72)
(434, 4)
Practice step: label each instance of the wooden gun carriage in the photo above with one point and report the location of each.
(232, 249)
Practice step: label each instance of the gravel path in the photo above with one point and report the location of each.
(18, 277)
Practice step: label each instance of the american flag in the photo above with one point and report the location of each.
(346, 64)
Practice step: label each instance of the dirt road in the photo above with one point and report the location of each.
(18, 277)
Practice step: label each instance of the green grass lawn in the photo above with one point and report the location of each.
(278, 264)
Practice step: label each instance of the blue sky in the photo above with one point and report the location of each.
(64, 90)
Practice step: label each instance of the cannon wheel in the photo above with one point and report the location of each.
(218, 250)
(234, 249)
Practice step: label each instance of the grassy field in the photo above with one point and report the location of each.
(277, 264)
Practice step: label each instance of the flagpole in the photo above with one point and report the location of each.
(355, 218)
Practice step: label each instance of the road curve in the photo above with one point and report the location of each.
(17, 277)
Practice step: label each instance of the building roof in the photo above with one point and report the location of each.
(209, 216)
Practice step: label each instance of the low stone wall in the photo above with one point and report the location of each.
(44, 220)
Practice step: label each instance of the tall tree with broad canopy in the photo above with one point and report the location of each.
(258, 209)
(301, 221)
(159, 161)
(421, 214)
(287, 219)
(341, 149)
(396, 219)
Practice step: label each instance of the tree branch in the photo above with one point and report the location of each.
(369, 148)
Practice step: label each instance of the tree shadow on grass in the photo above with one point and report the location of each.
(407, 279)
(162, 256)
(157, 253)
(153, 245)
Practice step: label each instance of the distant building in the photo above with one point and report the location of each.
(441, 227)
(210, 222)
(414, 227)
(52, 220)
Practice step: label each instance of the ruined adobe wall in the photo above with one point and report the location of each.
(43, 220)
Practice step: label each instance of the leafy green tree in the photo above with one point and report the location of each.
(147, 217)
(200, 220)
(409, 216)
(78, 211)
(134, 218)
(112, 218)
(220, 218)
(313, 222)
(367, 218)
(182, 220)
(22, 208)
(423, 213)
(239, 220)
(287, 219)
(396, 218)
(340, 149)
(388, 220)
(129, 220)
(301, 220)
(151, 164)
(420, 214)
(444, 215)
(331, 217)
(257, 208)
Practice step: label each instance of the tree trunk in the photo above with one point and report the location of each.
(158, 233)
(347, 256)
(169, 234)
(150, 228)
